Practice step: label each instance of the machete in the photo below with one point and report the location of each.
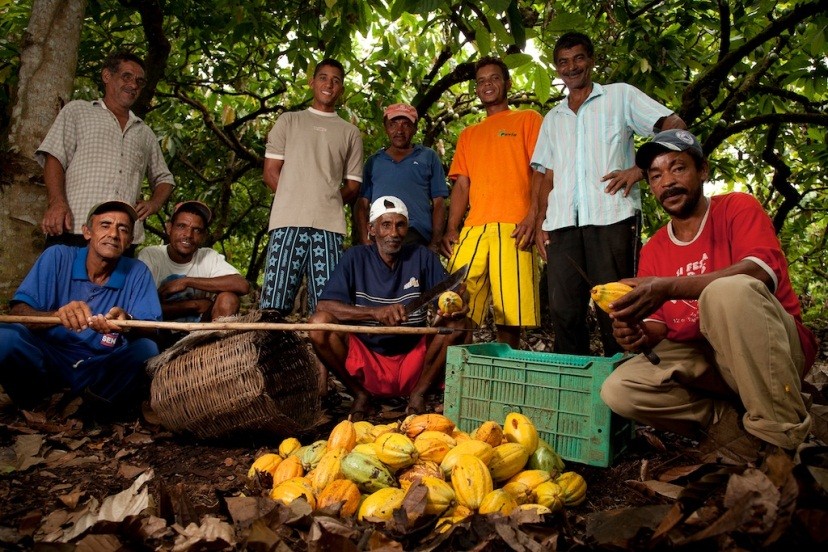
(430, 295)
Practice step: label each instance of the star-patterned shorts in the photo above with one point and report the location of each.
(291, 253)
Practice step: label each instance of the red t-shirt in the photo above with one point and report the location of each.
(735, 228)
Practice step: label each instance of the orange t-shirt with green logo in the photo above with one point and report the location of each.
(495, 155)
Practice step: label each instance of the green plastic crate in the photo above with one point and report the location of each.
(559, 393)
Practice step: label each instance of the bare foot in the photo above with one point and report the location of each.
(360, 409)
(416, 404)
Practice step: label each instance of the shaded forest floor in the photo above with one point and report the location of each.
(61, 472)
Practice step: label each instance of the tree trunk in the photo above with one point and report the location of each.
(48, 59)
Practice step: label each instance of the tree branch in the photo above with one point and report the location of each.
(781, 174)
(718, 136)
(158, 49)
(724, 28)
(705, 89)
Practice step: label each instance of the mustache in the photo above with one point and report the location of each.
(670, 192)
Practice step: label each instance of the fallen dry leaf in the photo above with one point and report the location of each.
(653, 487)
(128, 471)
(22, 455)
(211, 531)
(327, 533)
(619, 527)
(99, 543)
(71, 500)
(245, 510)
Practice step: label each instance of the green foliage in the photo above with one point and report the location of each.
(749, 77)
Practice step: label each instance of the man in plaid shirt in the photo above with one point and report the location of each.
(98, 151)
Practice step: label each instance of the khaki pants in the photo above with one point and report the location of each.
(751, 354)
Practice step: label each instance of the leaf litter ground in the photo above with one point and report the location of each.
(68, 484)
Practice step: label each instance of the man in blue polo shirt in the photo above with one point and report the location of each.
(90, 289)
(371, 286)
(411, 172)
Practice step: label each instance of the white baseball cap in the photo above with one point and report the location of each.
(387, 204)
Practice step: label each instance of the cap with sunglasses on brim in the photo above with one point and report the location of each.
(668, 140)
(112, 205)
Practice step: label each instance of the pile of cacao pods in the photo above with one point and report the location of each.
(366, 470)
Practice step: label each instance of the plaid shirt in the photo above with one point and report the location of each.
(101, 161)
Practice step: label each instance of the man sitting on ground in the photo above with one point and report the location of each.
(194, 283)
(90, 289)
(714, 300)
(371, 286)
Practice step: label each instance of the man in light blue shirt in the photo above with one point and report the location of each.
(586, 150)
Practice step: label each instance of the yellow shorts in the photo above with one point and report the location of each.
(500, 272)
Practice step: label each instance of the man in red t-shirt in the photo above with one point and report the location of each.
(714, 300)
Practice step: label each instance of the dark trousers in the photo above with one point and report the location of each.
(31, 366)
(605, 254)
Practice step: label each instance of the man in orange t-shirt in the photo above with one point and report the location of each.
(493, 179)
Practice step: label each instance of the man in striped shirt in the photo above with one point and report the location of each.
(590, 228)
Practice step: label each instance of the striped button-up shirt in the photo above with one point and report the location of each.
(583, 147)
(103, 162)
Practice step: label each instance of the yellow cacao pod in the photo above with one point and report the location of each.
(414, 425)
(265, 463)
(420, 469)
(545, 458)
(433, 448)
(380, 429)
(605, 294)
(313, 453)
(439, 497)
(288, 446)
(381, 504)
(367, 472)
(288, 468)
(490, 432)
(328, 470)
(471, 481)
(395, 450)
(574, 488)
(519, 429)
(366, 448)
(497, 501)
(460, 436)
(340, 491)
(449, 302)
(290, 490)
(551, 495)
(363, 432)
(343, 435)
(521, 492)
(476, 448)
(532, 478)
(507, 460)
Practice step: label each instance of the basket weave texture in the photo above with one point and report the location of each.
(221, 383)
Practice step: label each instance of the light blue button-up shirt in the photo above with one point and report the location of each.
(583, 147)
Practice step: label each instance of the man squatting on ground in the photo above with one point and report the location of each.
(89, 288)
(371, 286)
(714, 300)
(194, 283)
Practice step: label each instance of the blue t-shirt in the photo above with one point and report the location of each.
(59, 276)
(416, 180)
(363, 279)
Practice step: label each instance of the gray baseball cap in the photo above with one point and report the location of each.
(668, 140)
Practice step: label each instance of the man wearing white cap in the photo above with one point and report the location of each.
(194, 283)
(714, 300)
(411, 172)
(371, 286)
(90, 289)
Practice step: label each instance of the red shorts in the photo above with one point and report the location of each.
(387, 376)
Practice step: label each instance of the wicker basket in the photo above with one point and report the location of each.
(219, 383)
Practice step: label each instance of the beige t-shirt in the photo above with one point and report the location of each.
(319, 151)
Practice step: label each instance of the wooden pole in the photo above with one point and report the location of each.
(269, 326)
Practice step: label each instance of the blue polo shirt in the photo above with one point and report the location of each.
(363, 279)
(416, 180)
(59, 276)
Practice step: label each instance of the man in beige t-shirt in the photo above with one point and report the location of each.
(313, 164)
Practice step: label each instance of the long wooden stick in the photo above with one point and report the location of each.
(271, 326)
